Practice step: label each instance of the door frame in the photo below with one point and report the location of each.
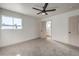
(45, 24)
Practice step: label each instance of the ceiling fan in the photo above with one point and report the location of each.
(44, 11)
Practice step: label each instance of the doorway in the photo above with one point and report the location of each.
(49, 30)
(46, 29)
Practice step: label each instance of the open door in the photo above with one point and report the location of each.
(49, 30)
(43, 29)
(46, 29)
(74, 30)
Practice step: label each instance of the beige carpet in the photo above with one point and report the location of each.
(39, 47)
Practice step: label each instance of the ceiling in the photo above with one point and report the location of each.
(26, 8)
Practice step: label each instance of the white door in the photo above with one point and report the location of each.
(74, 29)
(43, 29)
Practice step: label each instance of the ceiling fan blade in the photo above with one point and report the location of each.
(45, 6)
(39, 13)
(37, 9)
(50, 10)
(46, 13)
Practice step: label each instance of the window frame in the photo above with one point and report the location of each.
(15, 25)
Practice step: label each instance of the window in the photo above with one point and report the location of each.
(11, 23)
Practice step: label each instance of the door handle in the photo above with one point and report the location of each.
(69, 32)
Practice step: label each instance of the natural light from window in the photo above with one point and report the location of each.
(11, 23)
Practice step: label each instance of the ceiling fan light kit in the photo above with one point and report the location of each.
(44, 11)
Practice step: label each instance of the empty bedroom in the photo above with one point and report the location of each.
(39, 29)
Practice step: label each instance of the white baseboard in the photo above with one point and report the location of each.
(18, 42)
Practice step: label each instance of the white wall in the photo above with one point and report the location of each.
(60, 26)
(30, 29)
